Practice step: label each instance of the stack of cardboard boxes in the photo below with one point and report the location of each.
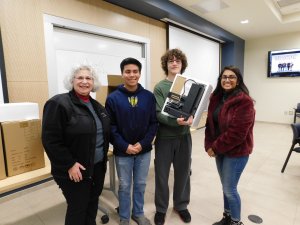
(21, 148)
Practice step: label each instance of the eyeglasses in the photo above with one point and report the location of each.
(174, 60)
(88, 79)
(229, 77)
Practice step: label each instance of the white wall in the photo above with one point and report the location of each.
(203, 55)
(70, 43)
(275, 97)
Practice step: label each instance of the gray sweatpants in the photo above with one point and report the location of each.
(177, 151)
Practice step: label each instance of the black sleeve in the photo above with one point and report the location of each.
(54, 122)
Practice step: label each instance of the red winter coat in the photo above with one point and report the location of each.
(236, 120)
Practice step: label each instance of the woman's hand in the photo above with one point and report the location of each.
(211, 153)
(75, 173)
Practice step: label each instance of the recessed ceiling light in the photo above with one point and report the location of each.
(244, 21)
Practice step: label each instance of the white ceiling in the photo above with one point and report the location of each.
(266, 17)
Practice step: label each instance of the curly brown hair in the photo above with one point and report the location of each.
(170, 54)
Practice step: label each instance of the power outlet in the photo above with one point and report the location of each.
(285, 113)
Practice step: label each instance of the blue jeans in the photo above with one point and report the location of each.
(132, 168)
(230, 170)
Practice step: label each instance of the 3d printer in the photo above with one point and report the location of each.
(187, 97)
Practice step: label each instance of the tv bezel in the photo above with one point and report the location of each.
(281, 74)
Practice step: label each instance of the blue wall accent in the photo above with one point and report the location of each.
(233, 47)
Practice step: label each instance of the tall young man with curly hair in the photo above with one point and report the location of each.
(173, 145)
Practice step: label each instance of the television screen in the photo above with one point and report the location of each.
(284, 63)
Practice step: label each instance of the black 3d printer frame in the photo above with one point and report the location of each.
(185, 105)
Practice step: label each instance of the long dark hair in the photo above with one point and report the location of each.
(240, 82)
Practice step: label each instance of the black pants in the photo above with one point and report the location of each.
(82, 197)
(177, 152)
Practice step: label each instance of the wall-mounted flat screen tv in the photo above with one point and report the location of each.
(284, 63)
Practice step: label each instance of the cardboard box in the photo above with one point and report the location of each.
(2, 165)
(19, 111)
(23, 148)
(112, 82)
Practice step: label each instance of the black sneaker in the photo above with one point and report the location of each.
(184, 215)
(159, 218)
(236, 223)
(226, 220)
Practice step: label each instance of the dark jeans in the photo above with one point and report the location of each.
(82, 197)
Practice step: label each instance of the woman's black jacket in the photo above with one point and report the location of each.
(69, 133)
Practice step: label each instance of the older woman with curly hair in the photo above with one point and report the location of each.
(75, 135)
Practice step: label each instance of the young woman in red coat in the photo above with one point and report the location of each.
(229, 137)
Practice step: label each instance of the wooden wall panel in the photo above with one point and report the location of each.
(69, 9)
(29, 92)
(23, 40)
(158, 35)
